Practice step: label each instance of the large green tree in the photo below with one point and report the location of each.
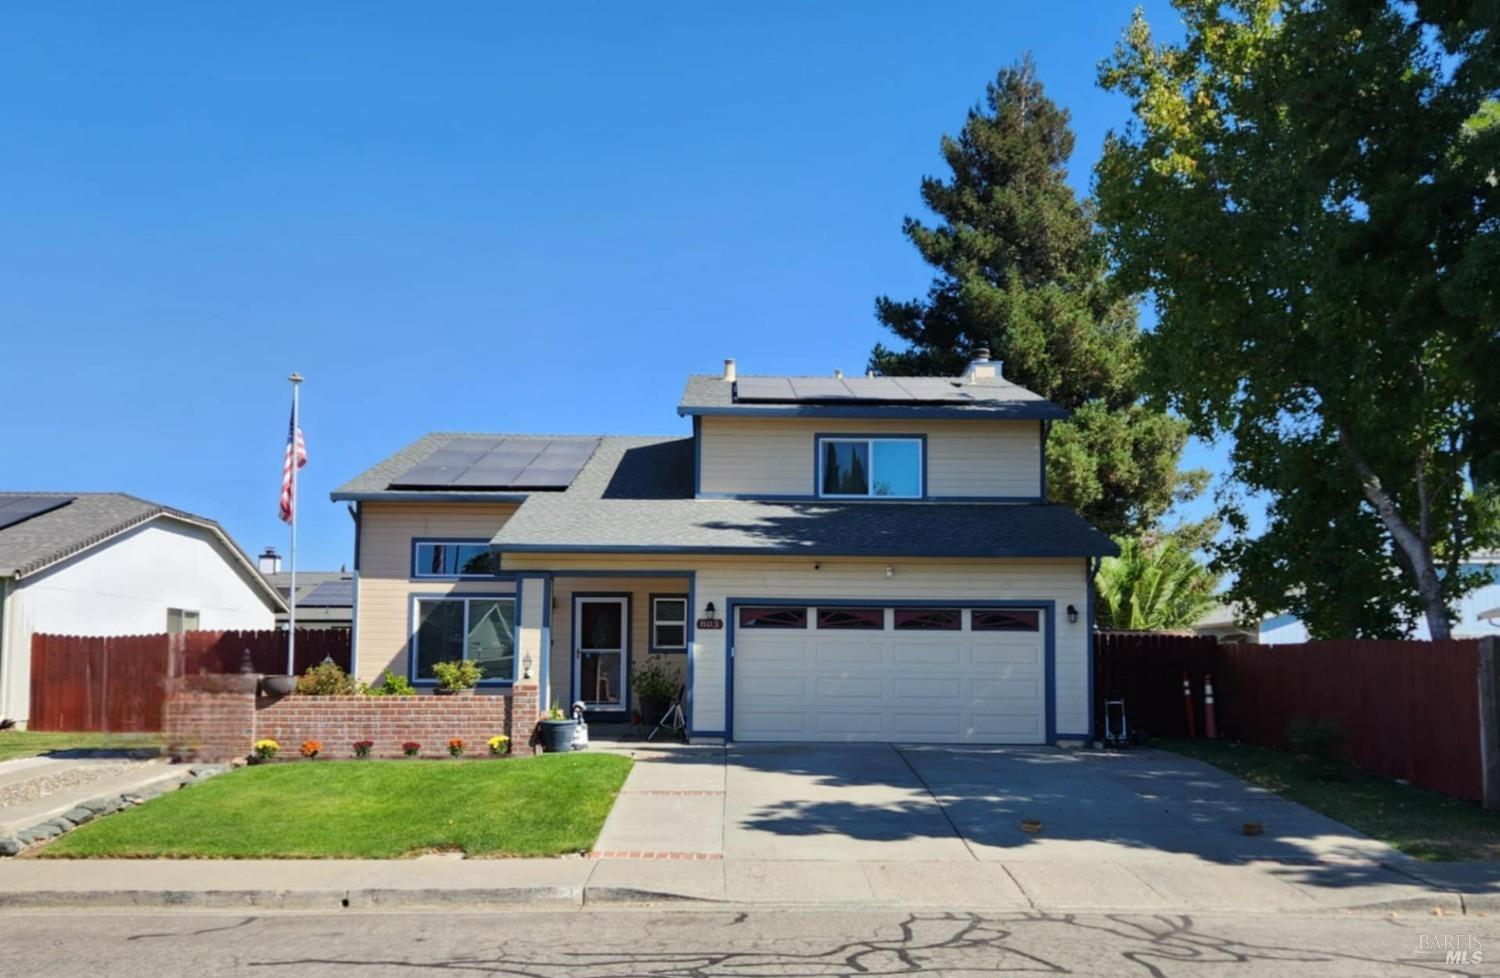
(1020, 270)
(1308, 191)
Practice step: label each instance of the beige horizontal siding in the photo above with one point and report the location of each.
(720, 578)
(385, 586)
(774, 456)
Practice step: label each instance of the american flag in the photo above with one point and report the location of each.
(293, 438)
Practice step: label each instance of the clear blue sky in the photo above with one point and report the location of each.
(459, 216)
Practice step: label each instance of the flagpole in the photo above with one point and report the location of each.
(291, 635)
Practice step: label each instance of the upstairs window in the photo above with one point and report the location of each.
(452, 558)
(862, 468)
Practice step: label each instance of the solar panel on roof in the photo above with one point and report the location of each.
(501, 463)
(890, 390)
(329, 594)
(14, 509)
(763, 389)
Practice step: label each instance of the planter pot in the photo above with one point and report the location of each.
(454, 692)
(653, 707)
(278, 685)
(557, 735)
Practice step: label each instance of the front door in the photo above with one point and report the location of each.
(600, 652)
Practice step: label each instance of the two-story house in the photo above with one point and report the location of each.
(826, 558)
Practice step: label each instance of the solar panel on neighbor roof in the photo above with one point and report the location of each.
(329, 594)
(14, 509)
(500, 463)
(900, 390)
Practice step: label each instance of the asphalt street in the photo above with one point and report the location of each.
(695, 944)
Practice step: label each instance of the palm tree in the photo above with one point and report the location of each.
(1155, 583)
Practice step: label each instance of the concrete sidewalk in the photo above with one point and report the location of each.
(1182, 884)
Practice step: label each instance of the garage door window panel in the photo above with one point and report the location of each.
(773, 617)
(851, 619)
(928, 619)
(998, 620)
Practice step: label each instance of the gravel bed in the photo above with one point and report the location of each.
(74, 776)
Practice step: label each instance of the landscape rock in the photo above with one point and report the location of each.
(78, 815)
(11, 847)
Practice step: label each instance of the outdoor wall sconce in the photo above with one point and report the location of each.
(890, 571)
(1072, 615)
(710, 611)
(526, 666)
(710, 621)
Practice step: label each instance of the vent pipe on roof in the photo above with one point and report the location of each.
(838, 375)
(982, 367)
(729, 369)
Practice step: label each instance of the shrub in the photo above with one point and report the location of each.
(311, 748)
(499, 744)
(456, 675)
(391, 685)
(266, 749)
(656, 680)
(456, 746)
(362, 748)
(326, 679)
(411, 748)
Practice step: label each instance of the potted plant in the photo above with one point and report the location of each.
(311, 749)
(656, 684)
(457, 678)
(362, 748)
(411, 748)
(278, 685)
(265, 750)
(557, 731)
(456, 747)
(499, 744)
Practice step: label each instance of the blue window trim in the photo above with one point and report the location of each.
(651, 621)
(697, 456)
(411, 632)
(822, 436)
(449, 541)
(602, 716)
(1048, 606)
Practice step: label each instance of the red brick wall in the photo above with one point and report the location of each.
(390, 721)
(210, 721)
(220, 718)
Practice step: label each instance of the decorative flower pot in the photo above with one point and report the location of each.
(278, 685)
(653, 708)
(557, 735)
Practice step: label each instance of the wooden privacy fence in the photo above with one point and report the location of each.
(1409, 710)
(117, 683)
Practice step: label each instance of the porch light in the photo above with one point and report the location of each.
(526, 666)
(710, 611)
(1072, 615)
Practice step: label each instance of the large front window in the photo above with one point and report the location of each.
(452, 558)
(865, 467)
(482, 630)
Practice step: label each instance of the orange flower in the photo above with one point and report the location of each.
(311, 748)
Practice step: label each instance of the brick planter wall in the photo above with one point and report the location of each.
(221, 718)
(390, 721)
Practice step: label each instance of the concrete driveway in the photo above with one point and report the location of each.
(858, 802)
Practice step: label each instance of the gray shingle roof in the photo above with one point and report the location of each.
(90, 519)
(997, 398)
(636, 494)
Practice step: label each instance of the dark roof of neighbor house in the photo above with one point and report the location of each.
(864, 397)
(89, 519)
(322, 596)
(636, 495)
(1492, 613)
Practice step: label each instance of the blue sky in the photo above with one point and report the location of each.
(458, 217)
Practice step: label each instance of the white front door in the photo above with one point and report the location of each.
(601, 649)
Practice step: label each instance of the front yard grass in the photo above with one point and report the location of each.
(542, 806)
(1419, 822)
(27, 743)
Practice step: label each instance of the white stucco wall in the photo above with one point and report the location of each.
(125, 587)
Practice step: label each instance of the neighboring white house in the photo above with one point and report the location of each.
(112, 564)
(1476, 614)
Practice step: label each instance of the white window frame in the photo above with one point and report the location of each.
(869, 442)
(656, 644)
(416, 627)
(182, 620)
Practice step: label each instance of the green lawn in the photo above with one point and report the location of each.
(25, 743)
(1419, 822)
(539, 806)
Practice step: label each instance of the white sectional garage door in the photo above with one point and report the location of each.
(899, 674)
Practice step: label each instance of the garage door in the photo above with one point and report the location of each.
(905, 674)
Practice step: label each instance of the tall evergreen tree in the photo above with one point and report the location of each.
(1020, 270)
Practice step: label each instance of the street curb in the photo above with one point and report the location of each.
(605, 895)
(514, 896)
